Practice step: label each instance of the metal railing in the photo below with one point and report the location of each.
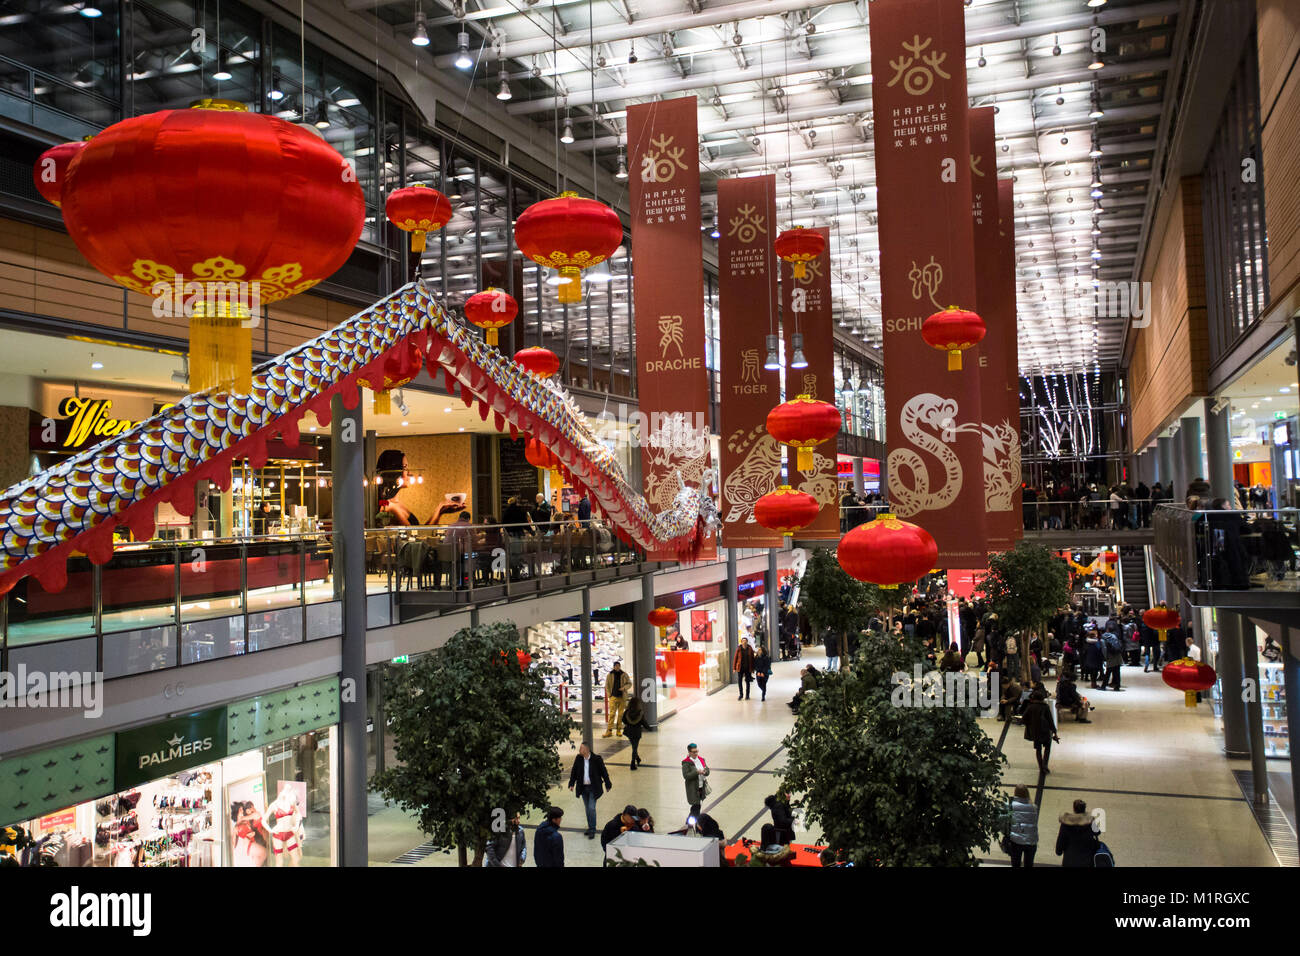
(1100, 514)
(1229, 550)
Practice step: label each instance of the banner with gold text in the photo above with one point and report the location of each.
(923, 187)
(668, 295)
(748, 310)
(806, 307)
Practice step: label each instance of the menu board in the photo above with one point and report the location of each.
(518, 477)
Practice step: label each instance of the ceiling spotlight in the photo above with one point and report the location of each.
(90, 11)
(1056, 50)
(421, 35)
(1096, 112)
(773, 356)
(1096, 253)
(1095, 152)
(982, 61)
(221, 74)
(322, 117)
(1096, 63)
(810, 27)
(736, 38)
(1060, 100)
(95, 363)
(1096, 229)
(503, 91)
(622, 168)
(463, 60)
(631, 52)
(276, 94)
(714, 233)
(1096, 3)
(798, 359)
(1006, 147)
(600, 62)
(567, 136)
(1065, 141)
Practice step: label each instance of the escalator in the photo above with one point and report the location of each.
(1132, 576)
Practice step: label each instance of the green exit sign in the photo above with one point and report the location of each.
(1279, 414)
(402, 659)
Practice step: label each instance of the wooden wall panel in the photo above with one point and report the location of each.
(1281, 173)
(1278, 28)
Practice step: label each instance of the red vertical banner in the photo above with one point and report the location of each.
(923, 189)
(996, 354)
(668, 295)
(1009, 337)
(806, 308)
(751, 458)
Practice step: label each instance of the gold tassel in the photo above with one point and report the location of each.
(570, 291)
(417, 240)
(804, 458)
(800, 270)
(221, 349)
(491, 336)
(954, 360)
(383, 404)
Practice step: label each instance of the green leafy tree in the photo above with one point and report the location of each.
(832, 599)
(893, 785)
(1025, 587)
(477, 739)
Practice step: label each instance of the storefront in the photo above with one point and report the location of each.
(1272, 684)
(252, 783)
(559, 644)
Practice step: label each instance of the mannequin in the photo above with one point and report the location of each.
(284, 820)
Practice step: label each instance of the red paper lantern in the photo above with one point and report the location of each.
(418, 209)
(51, 170)
(1190, 677)
(662, 618)
(539, 456)
(887, 552)
(953, 330)
(1161, 619)
(570, 234)
(786, 510)
(491, 309)
(803, 423)
(541, 362)
(236, 205)
(800, 246)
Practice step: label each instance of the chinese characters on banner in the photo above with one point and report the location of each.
(934, 426)
(751, 458)
(668, 290)
(1009, 335)
(807, 303)
(996, 356)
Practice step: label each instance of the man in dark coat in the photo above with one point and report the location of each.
(1076, 843)
(548, 844)
(585, 780)
(1040, 728)
(742, 665)
(615, 827)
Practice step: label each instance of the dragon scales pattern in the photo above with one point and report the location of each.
(75, 506)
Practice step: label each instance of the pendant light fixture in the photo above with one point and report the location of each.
(421, 35)
(503, 90)
(463, 59)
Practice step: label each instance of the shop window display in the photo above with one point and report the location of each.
(558, 643)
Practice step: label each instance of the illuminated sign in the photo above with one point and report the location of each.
(688, 597)
(85, 422)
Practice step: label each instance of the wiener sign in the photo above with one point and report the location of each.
(84, 422)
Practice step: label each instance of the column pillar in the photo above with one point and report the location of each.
(1254, 709)
(347, 449)
(585, 663)
(1236, 738)
(1218, 449)
(859, 479)
(1165, 461)
(643, 649)
(770, 586)
(1291, 674)
(1189, 434)
(732, 596)
(372, 488)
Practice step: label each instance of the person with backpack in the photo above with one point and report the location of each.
(1076, 843)
(1021, 826)
(1113, 655)
(1011, 654)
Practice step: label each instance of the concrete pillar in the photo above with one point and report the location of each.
(859, 480)
(1278, 459)
(1165, 461)
(1291, 674)
(643, 651)
(1254, 709)
(1236, 737)
(772, 601)
(372, 488)
(732, 596)
(1218, 449)
(347, 450)
(585, 663)
(1189, 436)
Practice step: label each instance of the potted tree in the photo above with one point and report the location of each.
(1025, 587)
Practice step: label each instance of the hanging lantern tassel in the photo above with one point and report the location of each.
(570, 291)
(383, 404)
(492, 337)
(417, 240)
(804, 458)
(221, 349)
(954, 360)
(800, 269)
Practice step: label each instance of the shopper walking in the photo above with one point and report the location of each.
(695, 772)
(977, 645)
(618, 687)
(1022, 827)
(1114, 656)
(509, 848)
(634, 727)
(548, 844)
(586, 778)
(742, 665)
(1076, 843)
(762, 669)
(831, 641)
(1040, 728)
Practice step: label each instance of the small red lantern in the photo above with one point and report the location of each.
(50, 172)
(800, 246)
(570, 234)
(662, 618)
(523, 658)
(1161, 619)
(491, 309)
(786, 510)
(539, 361)
(418, 209)
(803, 423)
(1190, 677)
(953, 330)
(887, 552)
(539, 456)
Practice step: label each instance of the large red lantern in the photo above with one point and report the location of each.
(539, 456)
(662, 618)
(887, 552)
(1190, 677)
(570, 234)
(242, 208)
(786, 510)
(539, 361)
(491, 309)
(418, 209)
(800, 246)
(1161, 619)
(51, 170)
(803, 423)
(953, 330)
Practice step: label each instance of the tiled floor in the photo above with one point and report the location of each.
(1155, 767)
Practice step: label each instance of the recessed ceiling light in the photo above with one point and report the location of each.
(447, 409)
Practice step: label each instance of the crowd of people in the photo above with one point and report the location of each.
(1090, 506)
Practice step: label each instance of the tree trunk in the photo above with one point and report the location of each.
(464, 856)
